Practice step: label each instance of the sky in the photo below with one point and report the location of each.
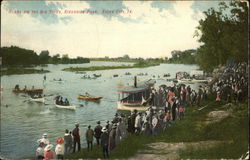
(98, 29)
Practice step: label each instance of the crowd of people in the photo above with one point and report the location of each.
(232, 83)
(166, 105)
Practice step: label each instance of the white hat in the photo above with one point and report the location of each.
(104, 129)
(41, 141)
(45, 135)
(48, 147)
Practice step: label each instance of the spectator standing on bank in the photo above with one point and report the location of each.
(98, 132)
(76, 137)
(89, 137)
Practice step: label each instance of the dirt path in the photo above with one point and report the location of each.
(162, 150)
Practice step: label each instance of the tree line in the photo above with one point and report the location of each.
(183, 57)
(19, 56)
(223, 34)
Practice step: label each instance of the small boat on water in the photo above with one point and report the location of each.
(42, 100)
(90, 98)
(97, 75)
(28, 91)
(66, 107)
(127, 73)
(166, 75)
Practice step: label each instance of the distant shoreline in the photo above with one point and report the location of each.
(18, 71)
(95, 68)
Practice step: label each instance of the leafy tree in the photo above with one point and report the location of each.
(44, 57)
(224, 36)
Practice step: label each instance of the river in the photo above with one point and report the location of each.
(23, 122)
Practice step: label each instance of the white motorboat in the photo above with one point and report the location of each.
(66, 107)
(42, 99)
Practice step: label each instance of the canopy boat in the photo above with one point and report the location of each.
(42, 99)
(132, 97)
(66, 107)
(28, 91)
(90, 98)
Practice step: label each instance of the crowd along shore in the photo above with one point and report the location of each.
(229, 87)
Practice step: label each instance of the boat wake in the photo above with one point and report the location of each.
(45, 112)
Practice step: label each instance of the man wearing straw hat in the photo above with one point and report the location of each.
(105, 142)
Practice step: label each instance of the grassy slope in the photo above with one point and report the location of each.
(12, 71)
(234, 129)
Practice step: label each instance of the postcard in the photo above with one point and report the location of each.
(124, 79)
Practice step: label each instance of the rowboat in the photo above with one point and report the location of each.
(28, 91)
(66, 107)
(89, 98)
(38, 99)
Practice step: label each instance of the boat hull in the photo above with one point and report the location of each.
(28, 91)
(42, 100)
(66, 107)
(89, 98)
(121, 106)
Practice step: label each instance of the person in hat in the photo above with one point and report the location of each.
(168, 118)
(44, 139)
(108, 126)
(116, 118)
(138, 121)
(98, 132)
(40, 149)
(174, 106)
(48, 153)
(59, 148)
(89, 137)
(133, 116)
(154, 125)
(68, 141)
(105, 142)
(112, 136)
(76, 138)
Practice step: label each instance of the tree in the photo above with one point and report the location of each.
(55, 59)
(224, 36)
(44, 57)
(126, 56)
(65, 58)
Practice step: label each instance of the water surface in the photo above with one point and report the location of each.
(23, 122)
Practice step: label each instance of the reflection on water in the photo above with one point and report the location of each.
(23, 122)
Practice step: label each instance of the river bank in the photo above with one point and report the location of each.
(15, 71)
(215, 126)
(229, 132)
(95, 68)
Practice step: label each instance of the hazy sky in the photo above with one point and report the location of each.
(151, 29)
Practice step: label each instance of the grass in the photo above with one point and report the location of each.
(233, 129)
(95, 68)
(12, 71)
